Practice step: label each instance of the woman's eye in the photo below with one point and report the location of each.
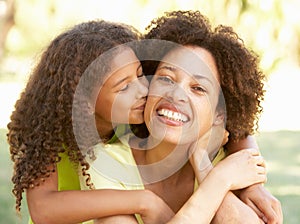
(165, 79)
(199, 89)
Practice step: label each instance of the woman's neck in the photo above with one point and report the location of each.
(151, 151)
(159, 161)
(175, 189)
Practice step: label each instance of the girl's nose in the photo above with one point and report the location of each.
(143, 86)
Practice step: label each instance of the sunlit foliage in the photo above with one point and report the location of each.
(270, 27)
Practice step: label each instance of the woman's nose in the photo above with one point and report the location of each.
(177, 94)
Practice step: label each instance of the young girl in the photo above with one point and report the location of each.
(42, 143)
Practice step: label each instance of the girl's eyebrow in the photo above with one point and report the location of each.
(125, 78)
(120, 81)
(140, 65)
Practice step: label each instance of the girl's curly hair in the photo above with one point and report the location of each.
(41, 125)
(241, 78)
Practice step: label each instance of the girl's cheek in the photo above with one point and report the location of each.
(145, 82)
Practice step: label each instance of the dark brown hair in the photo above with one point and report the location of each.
(241, 78)
(41, 124)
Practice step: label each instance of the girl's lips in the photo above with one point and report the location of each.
(140, 106)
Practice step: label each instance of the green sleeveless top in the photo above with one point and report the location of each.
(67, 175)
(67, 171)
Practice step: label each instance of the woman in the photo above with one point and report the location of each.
(191, 28)
(241, 83)
(183, 108)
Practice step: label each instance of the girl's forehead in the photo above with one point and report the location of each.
(122, 57)
(118, 59)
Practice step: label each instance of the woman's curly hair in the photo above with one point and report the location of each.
(41, 125)
(241, 78)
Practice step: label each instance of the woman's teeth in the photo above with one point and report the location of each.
(172, 115)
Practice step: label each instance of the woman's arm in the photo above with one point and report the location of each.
(47, 205)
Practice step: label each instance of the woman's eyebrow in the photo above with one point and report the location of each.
(201, 77)
(168, 67)
(195, 76)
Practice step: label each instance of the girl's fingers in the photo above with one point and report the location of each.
(260, 161)
(261, 170)
(253, 151)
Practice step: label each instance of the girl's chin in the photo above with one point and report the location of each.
(136, 120)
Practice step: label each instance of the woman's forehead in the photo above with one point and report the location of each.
(193, 60)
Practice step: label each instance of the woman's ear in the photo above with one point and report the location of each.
(219, 118)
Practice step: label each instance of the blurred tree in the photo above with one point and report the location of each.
(7, 14)
(270, 27)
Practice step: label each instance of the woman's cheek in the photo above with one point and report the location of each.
(156, 89)
(149, 108)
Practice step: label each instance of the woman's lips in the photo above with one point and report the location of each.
(169, 114)
(172, 115)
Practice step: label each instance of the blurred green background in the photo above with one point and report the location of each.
(270, 27)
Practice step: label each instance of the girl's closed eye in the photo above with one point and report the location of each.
(124, 88)
(141, 75)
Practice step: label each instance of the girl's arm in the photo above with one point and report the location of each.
(236, 171)
(266, 206)
(235, 146)
(231, 208)
(47, 205)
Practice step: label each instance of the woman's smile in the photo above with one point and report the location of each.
(171, 115)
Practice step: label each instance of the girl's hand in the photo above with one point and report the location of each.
(242, 169)
(155, 210)
(205, 149)
(266, 206)
(215, 138)
(199, 158)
